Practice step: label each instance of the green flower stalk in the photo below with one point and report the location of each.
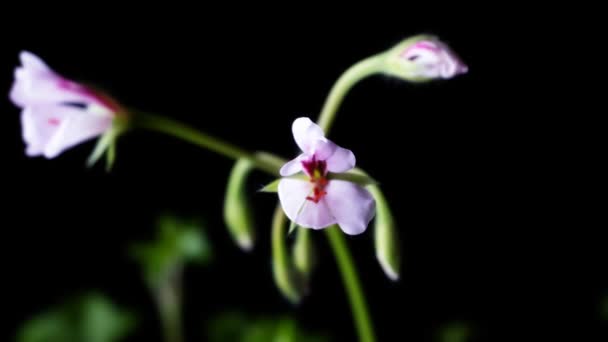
(285, 275)
(385, 236)
(304, 256)
(416, 59)
(237, 211)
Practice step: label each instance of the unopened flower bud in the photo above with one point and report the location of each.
(423, 58)
(386, 237)
(237, 213)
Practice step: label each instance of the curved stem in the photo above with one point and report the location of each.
(185, 132)
(352, 284)
(349, 78)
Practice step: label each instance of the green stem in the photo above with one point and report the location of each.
(349, 78)
(272, 164)
(185, 132)
(350, 279)
(169, 306)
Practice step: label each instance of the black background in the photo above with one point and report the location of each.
(474, 169)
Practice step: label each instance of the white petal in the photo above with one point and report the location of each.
(293, 166)
(341, 160)
(351, 205)
(32, 62)
(50, 129)
(75, 129)
(35, 83)
(292, 194)
(306, 133)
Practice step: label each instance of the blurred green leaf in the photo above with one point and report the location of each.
(91, 318)
(455, 332)
(238, 327)
(178, 242)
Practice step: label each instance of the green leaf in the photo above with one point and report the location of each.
(178, 242)
(90, 318)
(271, 187)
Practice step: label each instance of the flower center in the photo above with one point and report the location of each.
(316, 171)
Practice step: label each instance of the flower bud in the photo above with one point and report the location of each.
(237, 213)
(285, 275)
(304, 254)
(423, 58)
(386, 237)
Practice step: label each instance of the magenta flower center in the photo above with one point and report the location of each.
(317, 172)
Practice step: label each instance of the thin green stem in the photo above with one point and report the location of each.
(349, 78)
(169, 301)
(350, 279)
(185, 132)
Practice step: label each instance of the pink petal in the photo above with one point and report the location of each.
(341, 160)
(292, 194)
(293, 166)
(306, 133)
(351, 205)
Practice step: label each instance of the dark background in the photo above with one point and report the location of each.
(491, 231)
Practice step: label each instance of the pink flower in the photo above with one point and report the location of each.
(57, 113)
(319, 201)
(430, 58)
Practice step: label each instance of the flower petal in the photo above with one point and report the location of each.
(306, 133)
(36, 83)
(32, 62)
(293, 166)
(341, 160)
(433, 59)
(323, 148)
(50, 129)
(292, 194)
(351, 205)
(76, 129)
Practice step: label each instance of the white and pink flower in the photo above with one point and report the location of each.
(57, 113)
(429, 58)
(319, 201)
